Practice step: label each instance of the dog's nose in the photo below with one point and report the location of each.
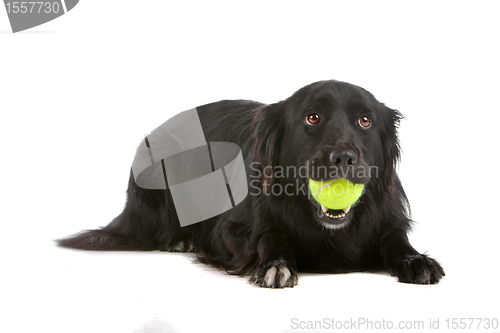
(343, 158)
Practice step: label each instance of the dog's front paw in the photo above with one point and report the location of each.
(420, 269)
(276, 274)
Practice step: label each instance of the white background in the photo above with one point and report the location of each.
(77, 95)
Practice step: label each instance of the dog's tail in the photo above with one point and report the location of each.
(116, 236)
(98, 240)
(135, 229)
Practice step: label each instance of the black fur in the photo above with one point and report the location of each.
(272, 236)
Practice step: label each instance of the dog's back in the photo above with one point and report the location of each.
(149, 220)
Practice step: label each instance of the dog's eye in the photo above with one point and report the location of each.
(365, 122)
(312, 119)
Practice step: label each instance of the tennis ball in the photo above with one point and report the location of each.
(339, 193)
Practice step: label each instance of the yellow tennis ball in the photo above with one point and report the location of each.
(339, 193)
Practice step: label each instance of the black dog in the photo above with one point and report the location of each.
(271, 235)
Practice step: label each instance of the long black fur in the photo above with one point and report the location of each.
(269, 236)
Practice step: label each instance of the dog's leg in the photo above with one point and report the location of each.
(403, 261)
(277, 267)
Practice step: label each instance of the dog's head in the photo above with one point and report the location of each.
(324, 131)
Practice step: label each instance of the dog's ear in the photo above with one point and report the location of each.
(267, 131)
(392, 152)
(390, 143)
